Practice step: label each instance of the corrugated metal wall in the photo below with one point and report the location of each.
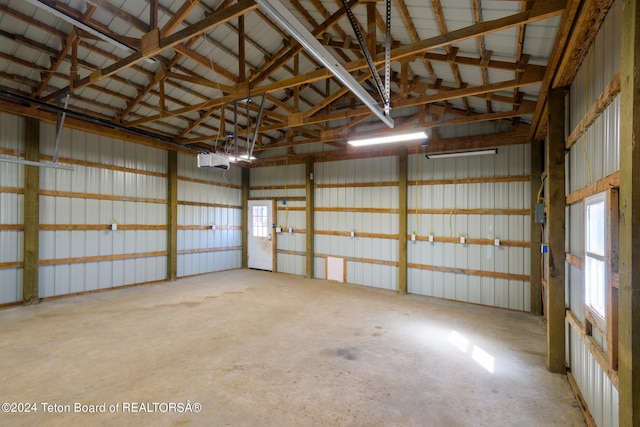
(285, 184)
(360, 196)
(483, 198)
(594, 156)
(467, 201)
(11, 208)
(208, 198)
(113, 182)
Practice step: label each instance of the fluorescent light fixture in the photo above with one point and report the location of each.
(388, 139)
(280, 13)
(462, 154)
(242, 157)
(38, 164)
(86, 27)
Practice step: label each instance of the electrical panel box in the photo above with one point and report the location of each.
(540, 217)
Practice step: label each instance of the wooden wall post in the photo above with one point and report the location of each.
(402, 221)
(537, 153)
(629, 199)
(245, 211)
(172, 215)
(556, 231)
(310, 203)
(31, 212)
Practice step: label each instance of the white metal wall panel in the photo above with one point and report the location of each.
(594, 156)
(599, 67)
(278, 175)
(379, 169)
(340, 197)
(95, 181)
(196, 247)
(510, 161)
(597, 153)
(11, 208)
(596, 388)
(282, 179)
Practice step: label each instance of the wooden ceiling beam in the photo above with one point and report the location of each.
(542, 9)
(293, 48)
(451, 51)
(157, 45)
(415, 37)
(121, 14)
(55, 64)
(177, 17)
(562, 37)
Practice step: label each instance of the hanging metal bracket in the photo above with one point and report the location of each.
(383, 90)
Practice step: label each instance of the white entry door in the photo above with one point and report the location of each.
(261, 235)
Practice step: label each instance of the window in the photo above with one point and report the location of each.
(601, 270)
(259, 215)
(594, 253)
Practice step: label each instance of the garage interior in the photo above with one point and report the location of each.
(205, 162)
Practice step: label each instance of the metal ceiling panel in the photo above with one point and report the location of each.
(42, 36)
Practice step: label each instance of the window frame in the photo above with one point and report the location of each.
(607, 325)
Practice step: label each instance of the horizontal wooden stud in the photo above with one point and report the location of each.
(594, 348)
(583, 405)
(100, 258)
(471, 211)
(212, 183)
(10, 152)
(482, 180)
(95, 291)
(97, 165)
(358, 210)
(11, 227)
(73, 195)
(208, 227)
(291, 208)
(362, 260)
(606, 97)
(208, 205)
(207, 250)
(575, 261)
(604, 184)
(13, 190)
(358, 184)
(99, 227)
(470, 272)
(286, 252)
(473, 241)
(358, 234)
(11, 264)
(277, 187)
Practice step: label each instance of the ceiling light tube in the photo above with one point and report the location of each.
(281, 14)
(462, 154)
(388, 139)
(38, 164)
(86, 27)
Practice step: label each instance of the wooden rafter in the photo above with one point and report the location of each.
(157, 45)
(121, 14)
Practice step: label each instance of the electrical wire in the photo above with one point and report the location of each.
(416, 193)
(584, 119)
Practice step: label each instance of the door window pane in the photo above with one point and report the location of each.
(259, 226)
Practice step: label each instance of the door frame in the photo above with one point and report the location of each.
(274, 239)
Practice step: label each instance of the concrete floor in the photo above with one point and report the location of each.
(264, 349)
